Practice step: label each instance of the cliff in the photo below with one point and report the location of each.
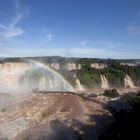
(98, 65)
(59, 73)
(9, 74)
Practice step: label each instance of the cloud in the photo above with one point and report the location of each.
(69, 52)
(50, 36)
(83, 42)
(112, 45)
(134, 29)
(12, 30)
(93, 52)
(45, 30)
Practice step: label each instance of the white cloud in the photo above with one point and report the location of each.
(12, 30)
(69, 52)
(45, 30)
(112, 45)
(93, 52)
(83, 42)
(50, 36)
(134, 29)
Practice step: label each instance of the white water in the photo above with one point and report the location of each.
(18, 79)
(23, 77)
(42, 83)
(104, 81)
(50, 83)
(128, 82)
(10, 74)
(78, 85)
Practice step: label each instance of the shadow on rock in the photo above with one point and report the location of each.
(71, 129)
(123, 125)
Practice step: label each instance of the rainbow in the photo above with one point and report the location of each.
(58, 75)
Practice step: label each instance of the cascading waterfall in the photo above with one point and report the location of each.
(61, 83)
(104, 81)
(25, 76)
(78, 86)
(128, 82)
(9, 76)
(44, 80)
(50, 82)
(42, 83)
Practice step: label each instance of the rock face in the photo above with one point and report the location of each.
(9, 74)
(11, 66)
(15, 75)
(98, 65)
(128, 82)
(55, 66)
(128, 64)
(18, 76)
(51, 117)
(72, 66)
(1, 65)
(67, 66)
(11, 129)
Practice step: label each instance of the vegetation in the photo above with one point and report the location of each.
(126, 122)
(68, 76)
(111, 93)
(115, 74)
(90, 77)
(133, 100)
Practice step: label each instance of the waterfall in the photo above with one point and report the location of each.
(43, 80)
(50, 82)
(104, 82)
(128, 82)
(42, 83)
(79, 87)
(26, 76)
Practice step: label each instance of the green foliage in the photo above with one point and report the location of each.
(133, 100)
(111, 93)
(89, 77)
(114, 73)
(125, 120)
(68, 75)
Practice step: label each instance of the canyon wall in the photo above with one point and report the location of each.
(9, 74)
(98, 65)
(129, 64)
(18, 76)
(14, 75)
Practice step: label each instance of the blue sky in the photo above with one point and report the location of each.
(72, 28)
